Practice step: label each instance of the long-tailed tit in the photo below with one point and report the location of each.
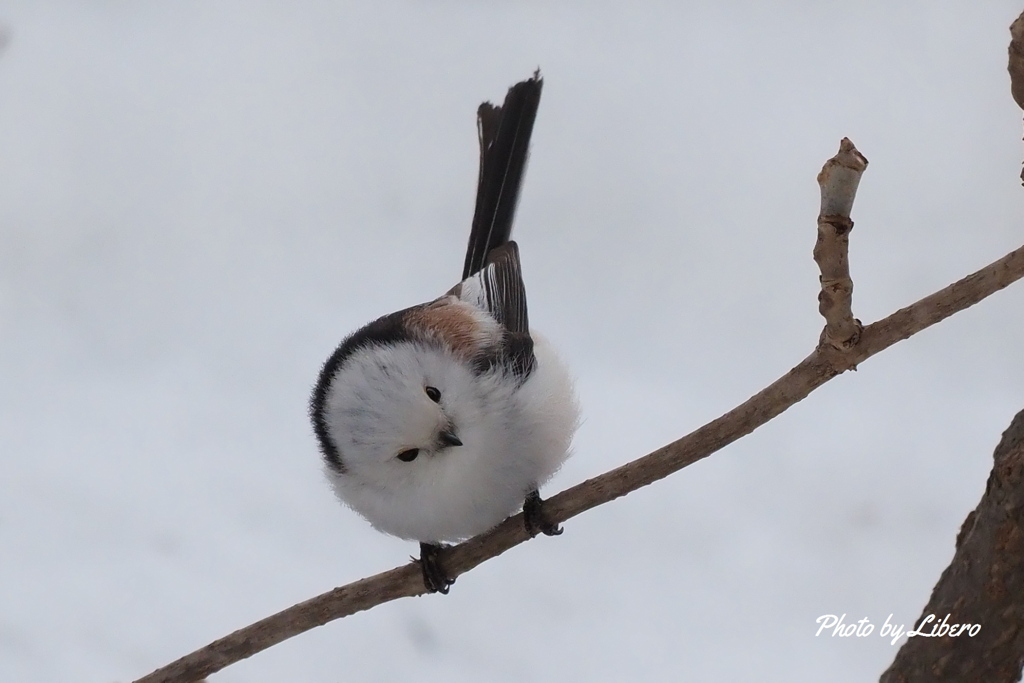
(438, 421)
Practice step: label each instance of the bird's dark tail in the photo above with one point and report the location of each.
(504, 144)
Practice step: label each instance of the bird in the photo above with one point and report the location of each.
(438, 421)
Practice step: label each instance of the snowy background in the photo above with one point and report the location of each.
(199, 199)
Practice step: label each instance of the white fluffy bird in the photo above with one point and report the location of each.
(438, 421)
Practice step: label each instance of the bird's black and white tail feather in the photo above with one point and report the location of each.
(504, 146)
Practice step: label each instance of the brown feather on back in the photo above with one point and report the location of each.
(455, 324)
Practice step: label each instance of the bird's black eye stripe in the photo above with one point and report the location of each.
(409, 455)
(433, 394)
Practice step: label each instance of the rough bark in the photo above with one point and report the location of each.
(983, 586)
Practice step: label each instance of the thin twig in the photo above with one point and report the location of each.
(822, 365)
(838, 179)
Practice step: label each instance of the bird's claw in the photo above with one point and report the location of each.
(534, 518)
(435, 579)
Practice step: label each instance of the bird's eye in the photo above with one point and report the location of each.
(433, 394)
(409, 455)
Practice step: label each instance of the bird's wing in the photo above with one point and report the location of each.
(504, 144)
(498, 289)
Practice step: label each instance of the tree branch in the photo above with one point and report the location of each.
(822, 365)
(983, 586)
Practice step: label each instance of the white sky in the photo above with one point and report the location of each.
(199, 199)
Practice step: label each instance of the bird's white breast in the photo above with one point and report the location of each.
(515, 437)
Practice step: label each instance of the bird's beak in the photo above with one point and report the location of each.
(447, 438)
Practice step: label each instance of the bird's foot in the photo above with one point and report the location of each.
(534, 518)
(435, 578)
